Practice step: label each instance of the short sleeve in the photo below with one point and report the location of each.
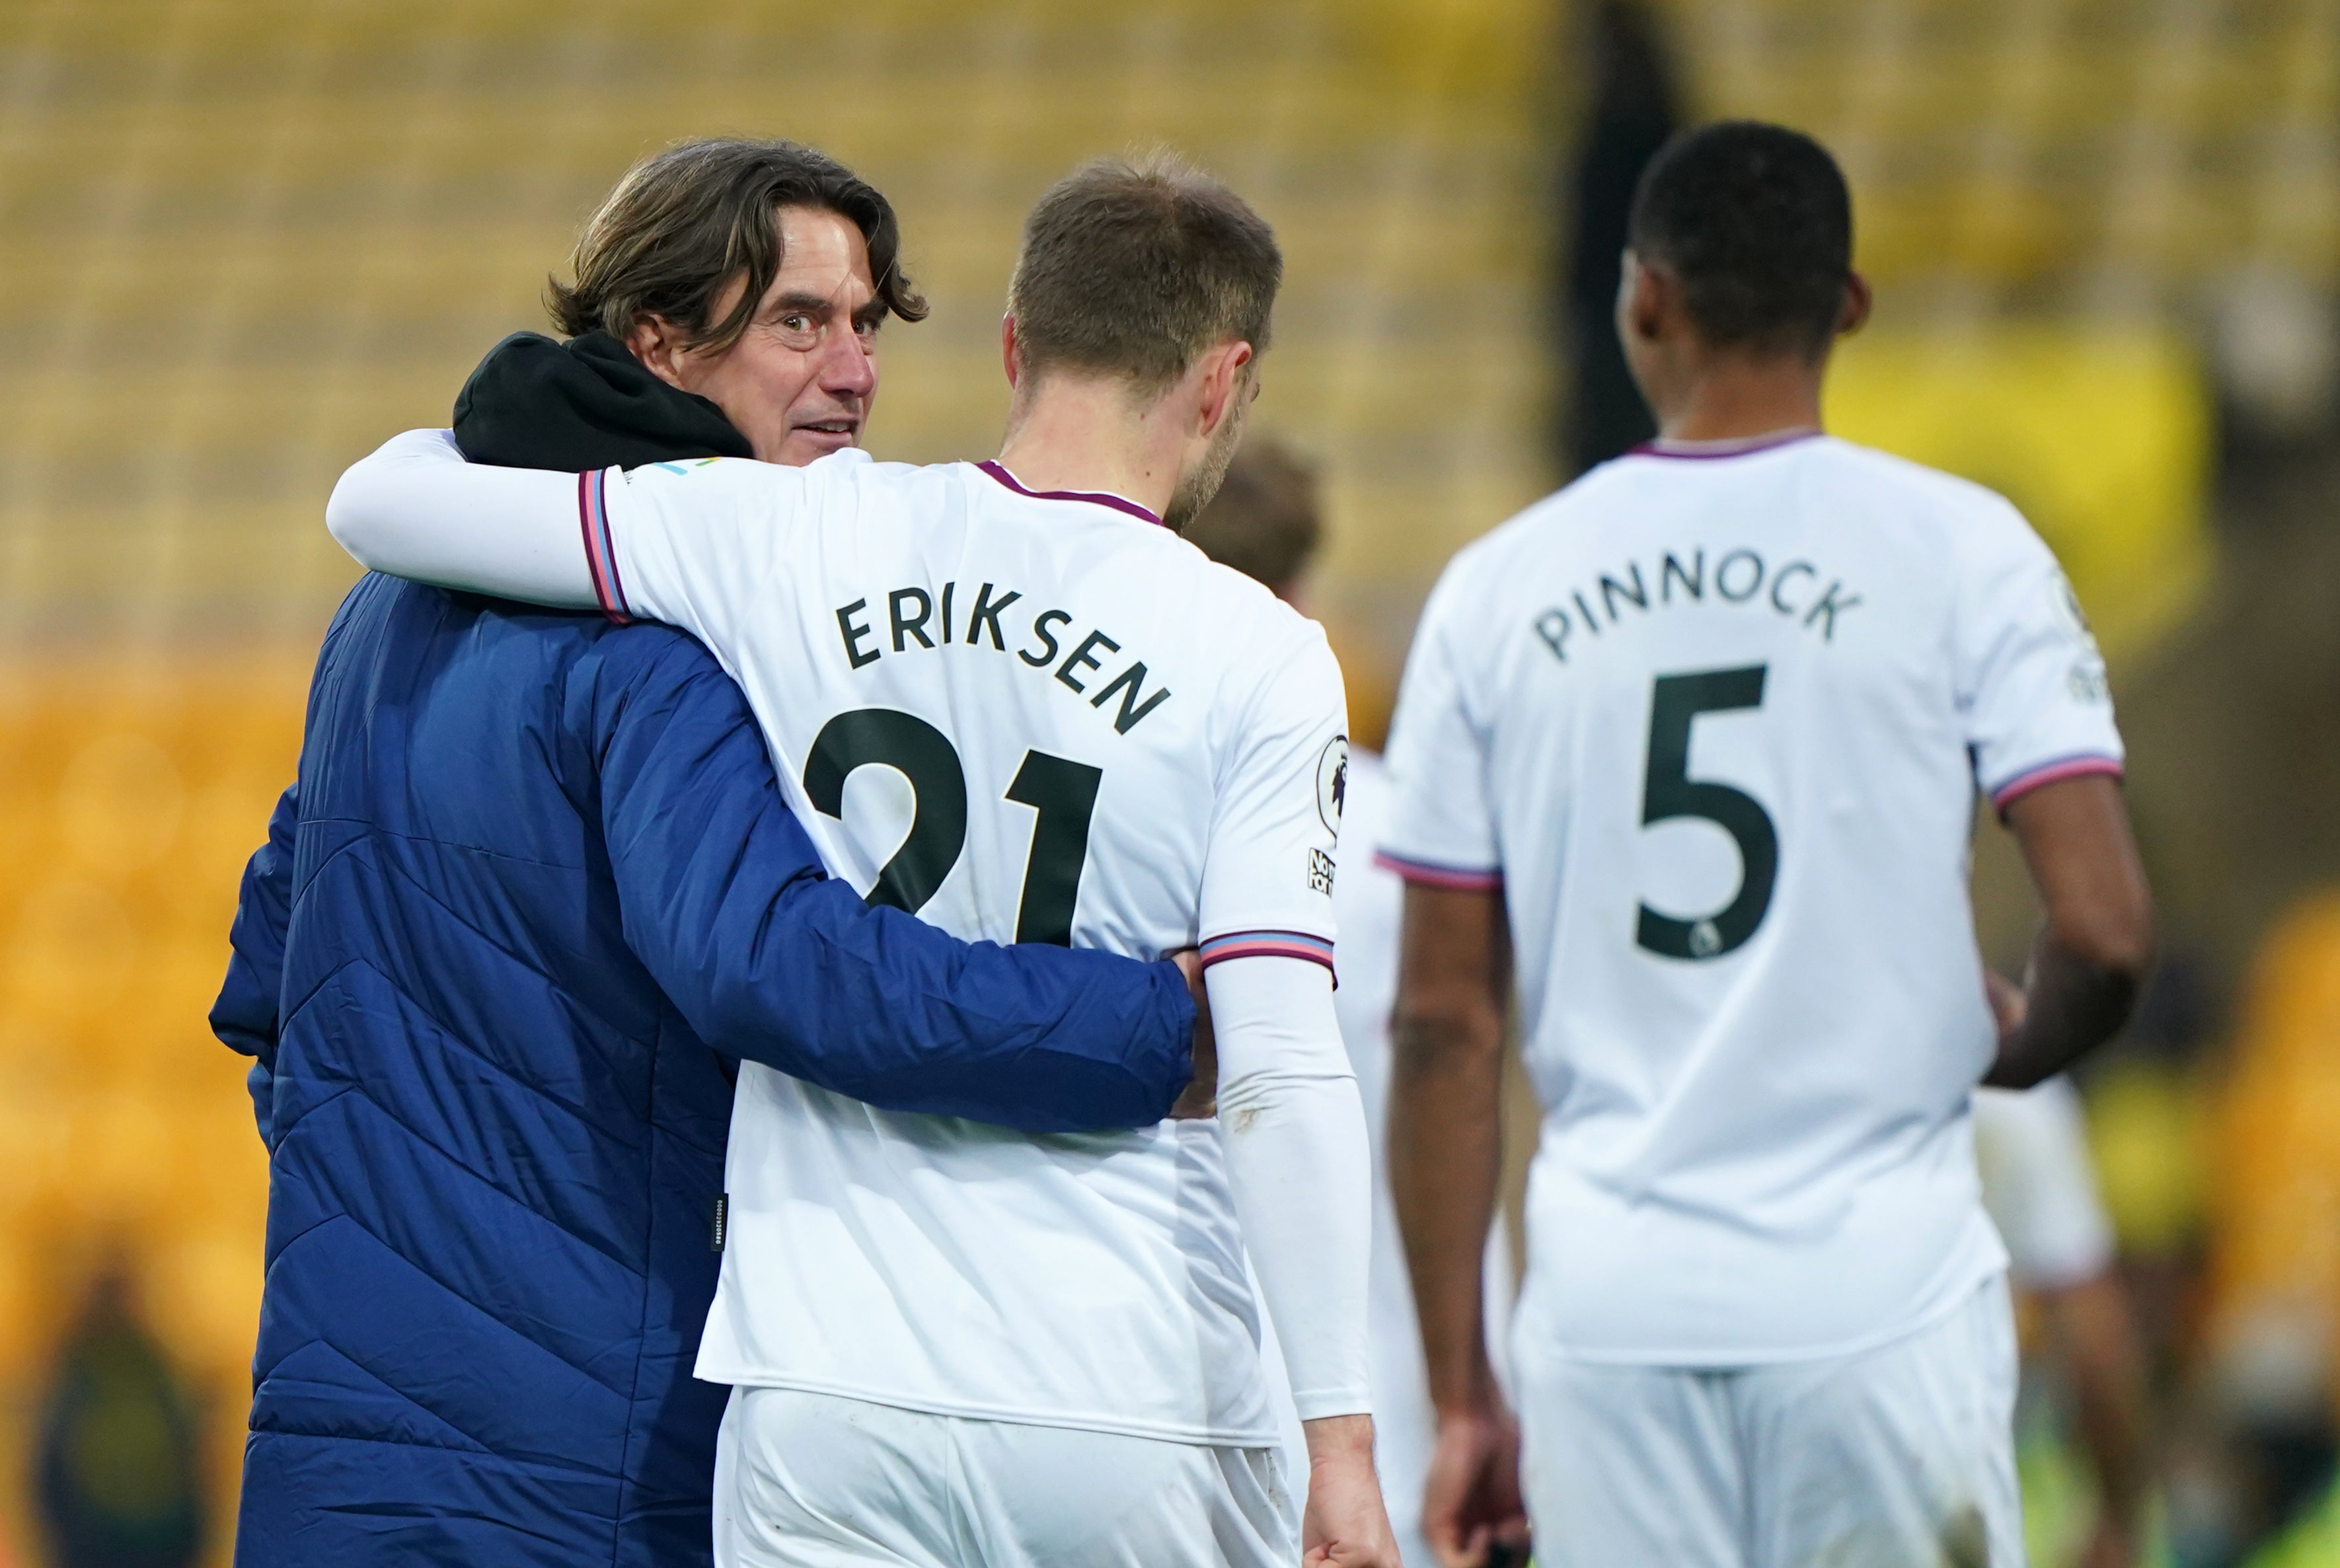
(2031, 683)
(1267, 872)
(693, 543)
(1442, 823)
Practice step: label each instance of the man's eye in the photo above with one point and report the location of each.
(795, 322)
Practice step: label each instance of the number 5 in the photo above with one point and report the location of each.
(1670, 792)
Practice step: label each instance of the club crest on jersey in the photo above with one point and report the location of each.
(1332, 782)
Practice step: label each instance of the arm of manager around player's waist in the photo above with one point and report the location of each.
(724, 898)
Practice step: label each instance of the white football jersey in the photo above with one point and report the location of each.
(1024, 717)
(1714, 722)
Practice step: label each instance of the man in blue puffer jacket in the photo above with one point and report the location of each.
(536, 880)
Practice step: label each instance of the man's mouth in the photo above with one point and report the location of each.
(841, 428)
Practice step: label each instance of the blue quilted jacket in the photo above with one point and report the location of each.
(534, 884)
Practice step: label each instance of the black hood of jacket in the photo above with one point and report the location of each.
(583, 405)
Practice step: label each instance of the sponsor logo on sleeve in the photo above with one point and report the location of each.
(2085, 680)
(2065, 605)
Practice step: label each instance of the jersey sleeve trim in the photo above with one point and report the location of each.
(2078, 766)
(600, 549)
(1267, 944)
(1431, 874)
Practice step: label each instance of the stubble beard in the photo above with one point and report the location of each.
(1198, 484)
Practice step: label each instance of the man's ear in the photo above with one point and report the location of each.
(655, 341)
(1644, 296)
(1858, 303)
(1010, 360)
(1221, 383)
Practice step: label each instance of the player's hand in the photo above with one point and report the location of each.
(2009, 1001)
(1201, 1096)
(1345, 1525)
(1470, 1501)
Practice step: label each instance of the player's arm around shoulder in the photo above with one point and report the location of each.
(700, 543)
(415, 509)
(691, 543)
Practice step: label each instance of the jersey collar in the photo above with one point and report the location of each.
(1737, 446)
(1095, 497)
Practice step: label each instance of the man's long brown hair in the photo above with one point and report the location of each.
(683, 223)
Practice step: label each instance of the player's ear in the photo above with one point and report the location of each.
(1008, 359)
(1640, 298)
(1223, 384)
(655, 343)
(1858, 301)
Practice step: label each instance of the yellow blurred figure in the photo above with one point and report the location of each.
(2274, 1205)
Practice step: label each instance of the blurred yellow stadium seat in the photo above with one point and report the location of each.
(133, 793)
(2275, 1200)
(2033, 154)
(2123, 497)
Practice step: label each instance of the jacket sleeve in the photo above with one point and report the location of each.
(723, 898)
(244, 1017)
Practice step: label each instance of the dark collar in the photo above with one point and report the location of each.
(587, 403)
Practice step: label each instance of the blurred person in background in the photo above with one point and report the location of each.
(1692, 748)
(2037, 1185)
(535, 892)
(120, 1481)
(1633, 110)
(2271, 1333)
(1266, 522)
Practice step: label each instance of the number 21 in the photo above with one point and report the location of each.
(1063, 794)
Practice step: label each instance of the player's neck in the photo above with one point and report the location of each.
(1737, 397)
(1083, 434)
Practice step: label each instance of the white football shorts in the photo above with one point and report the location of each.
(1902, 1456)
(813, 1480)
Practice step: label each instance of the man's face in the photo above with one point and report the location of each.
(799, 383)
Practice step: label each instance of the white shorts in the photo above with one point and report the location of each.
(1900, 1457)
(812, 1481)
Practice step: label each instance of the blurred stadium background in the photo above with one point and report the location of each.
(243, 240)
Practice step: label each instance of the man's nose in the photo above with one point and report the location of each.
(849, 370)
